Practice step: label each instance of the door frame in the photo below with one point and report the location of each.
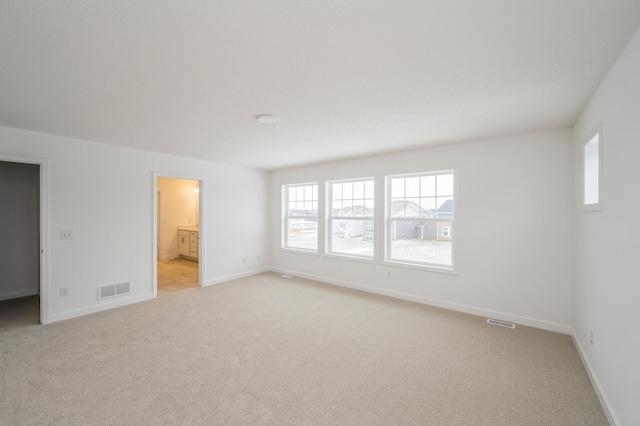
(201, 226)
(43, 170)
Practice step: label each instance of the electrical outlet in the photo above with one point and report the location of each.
(388, 274)
(591, 336)
(64, 291)
(66, 235)
(258, 258)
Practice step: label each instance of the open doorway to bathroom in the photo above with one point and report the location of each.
(178, 234)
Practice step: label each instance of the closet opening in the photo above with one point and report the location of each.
(23, 284)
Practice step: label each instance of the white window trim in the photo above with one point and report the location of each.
(388, 220)
(593, 207)
(329, 218)
(284, 246)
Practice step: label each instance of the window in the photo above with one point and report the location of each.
(301, 217)
(351, 215)
(592, 170)
(420, 219)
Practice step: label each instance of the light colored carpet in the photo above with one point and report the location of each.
(270, 351)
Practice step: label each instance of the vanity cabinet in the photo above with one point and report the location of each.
(188, 243)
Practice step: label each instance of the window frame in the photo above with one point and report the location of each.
(595, 133)
(330, 217)
(388, 224)
(286, 217)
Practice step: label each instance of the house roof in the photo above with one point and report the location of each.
(446, 207)
(354, 211)
(423, 223)
(345, 78)
(399, 207)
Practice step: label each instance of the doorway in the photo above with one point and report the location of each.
(21, 277)
(178, 228)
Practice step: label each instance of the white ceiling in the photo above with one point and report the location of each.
(346, 78)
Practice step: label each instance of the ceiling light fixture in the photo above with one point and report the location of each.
(268, 120)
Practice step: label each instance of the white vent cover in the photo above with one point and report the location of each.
(500, 323)
(112, 290)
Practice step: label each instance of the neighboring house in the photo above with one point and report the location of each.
(311, 215)
(367, 233)
(445, 229)
(347, 228)
(411, 229)
(426, 230)
(421, 229)
(445, 211)
(350, 228)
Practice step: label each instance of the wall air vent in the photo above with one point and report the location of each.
(112, 290)
(500, 323)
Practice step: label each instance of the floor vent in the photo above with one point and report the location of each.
(286, 276)
(113, 290)
(500, 323)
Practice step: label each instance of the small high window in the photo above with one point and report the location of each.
(593, 171)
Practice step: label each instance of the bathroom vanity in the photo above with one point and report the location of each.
(188, 237)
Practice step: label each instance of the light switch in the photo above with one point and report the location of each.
(66, 235)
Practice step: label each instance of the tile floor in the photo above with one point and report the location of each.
(176, 274)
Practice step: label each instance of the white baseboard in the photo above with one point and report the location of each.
(136, 299)
(169, 256)
(98, 308)
(473, 310)
(17, 294)
(226, 278)
(602, 396)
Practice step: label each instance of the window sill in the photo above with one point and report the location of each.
(350, 258)
(299, 251)
(424, 268)
(596, 207)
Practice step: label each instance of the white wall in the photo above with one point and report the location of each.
(513, 229)
(177, 207)
(104, 194)
(606, 288)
